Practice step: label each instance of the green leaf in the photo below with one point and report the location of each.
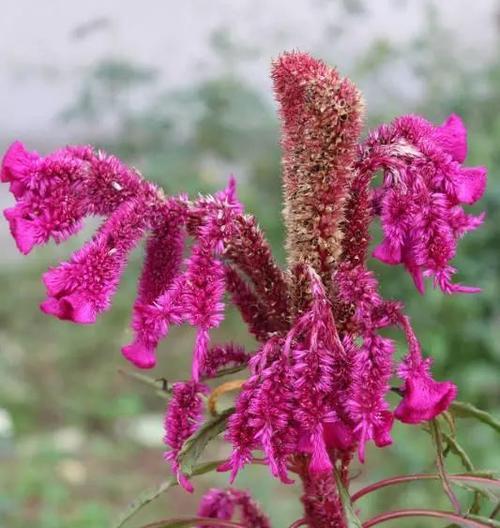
(150, 495)
(195, 445)
(467, 410)
(351, 518)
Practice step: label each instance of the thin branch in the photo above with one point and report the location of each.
(449, 516)
(457, 449)
(162, 389)
(421, 476)
(146, 380)
(436, 434)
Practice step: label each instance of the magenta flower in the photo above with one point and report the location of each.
(55, 193)
(82, 288)
(18, 168)
(223, 356)
(313, 344)
(319, 379)
(368, 407)
(221, 504)
(202, 298)
(184, 415)
(48, 193)
(151, 323)
(423, 398)
(263, 416)
(451, 136)
(419, 201)
(158, 301)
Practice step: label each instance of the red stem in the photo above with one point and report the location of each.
(449, 516)
(422, 476)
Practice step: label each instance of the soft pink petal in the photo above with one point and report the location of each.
(382, 430)
(451, 136)
(424, 398)
(141, 354)
(470, 184)
(387, 253)
(73, 307)
(16, 165)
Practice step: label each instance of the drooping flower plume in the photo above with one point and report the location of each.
(184, 415)
(420, 201)
(82, 288)
(221, 504)
(319, 378)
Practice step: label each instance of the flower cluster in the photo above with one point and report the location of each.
(319, 380)
(221, 504)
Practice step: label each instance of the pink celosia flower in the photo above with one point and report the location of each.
(156, 307)
(223, 356)
(221, 504)
(50, 200)
(313, 345)
(368, 408)
(423, 398)
(321, 115)
(151, 323)
(419, 203)
(256, 315)
(319, 379)
(251, 254)
(451, 136)
(55, 193)
(82, 288)
(263, 416)
(202, 298)
(184, 414)
(18, 166)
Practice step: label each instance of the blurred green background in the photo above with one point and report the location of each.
(78, 440)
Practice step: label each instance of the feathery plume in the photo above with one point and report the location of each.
(321, 114)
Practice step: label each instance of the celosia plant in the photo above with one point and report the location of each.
(319, 378)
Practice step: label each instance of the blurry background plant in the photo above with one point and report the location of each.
(77, 439)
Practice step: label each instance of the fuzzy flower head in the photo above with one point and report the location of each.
(321, 114)
(184, 415)
(420, 201)
(82, 288)
(319, 378)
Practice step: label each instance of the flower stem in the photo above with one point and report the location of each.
(449, 516)
(146, 380)
(421, 476)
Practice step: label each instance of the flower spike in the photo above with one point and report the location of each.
(321, 115)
